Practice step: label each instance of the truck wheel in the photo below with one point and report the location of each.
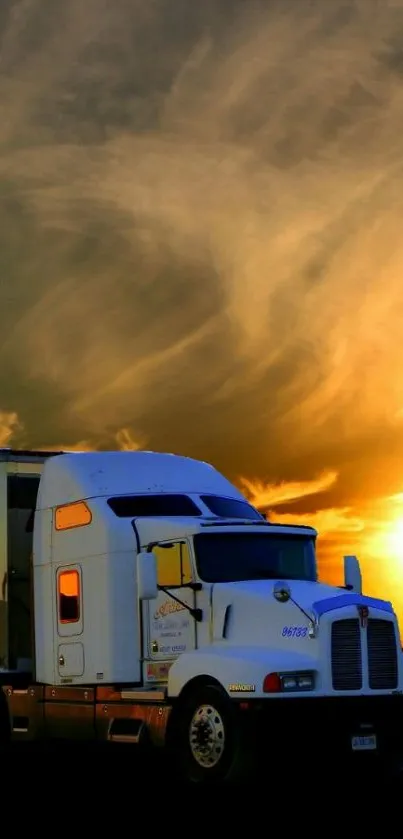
(209, 739)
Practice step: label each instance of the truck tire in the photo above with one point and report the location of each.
(210, 745)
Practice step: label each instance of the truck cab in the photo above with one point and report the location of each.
(161, 606)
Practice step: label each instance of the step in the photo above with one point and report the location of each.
(127, 731)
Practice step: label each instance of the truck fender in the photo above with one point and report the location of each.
(235, 669)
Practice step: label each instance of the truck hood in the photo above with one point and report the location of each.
(253, 605)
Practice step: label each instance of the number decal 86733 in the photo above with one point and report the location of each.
(294, 631)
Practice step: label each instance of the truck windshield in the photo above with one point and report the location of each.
(231, 557)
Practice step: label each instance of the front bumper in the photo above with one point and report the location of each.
(324, 728)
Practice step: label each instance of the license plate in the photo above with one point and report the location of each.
(363, 742)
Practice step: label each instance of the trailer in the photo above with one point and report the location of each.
(146, 602)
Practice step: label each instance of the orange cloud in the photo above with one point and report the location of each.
(328, 522)
(82, 446)
(10, 425)
(126, 441)
(266, 495)
(397, 498)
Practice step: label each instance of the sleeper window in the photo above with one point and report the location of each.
(69, 597)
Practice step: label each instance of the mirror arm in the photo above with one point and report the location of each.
(197, 614)
(193, 586)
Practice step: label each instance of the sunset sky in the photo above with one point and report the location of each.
(201, 248)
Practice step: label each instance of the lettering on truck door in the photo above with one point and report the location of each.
(171, 628)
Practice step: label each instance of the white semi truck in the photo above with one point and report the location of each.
(145, 601)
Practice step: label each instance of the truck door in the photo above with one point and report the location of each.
(169, 629)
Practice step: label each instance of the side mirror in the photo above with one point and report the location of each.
(281, 592)
(147, 578)
(352, 574)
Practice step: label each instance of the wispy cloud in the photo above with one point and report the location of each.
(126, 442)
(123, 440)
(200, 227)
(396, 498)
(12, 432)
(80, 446)
(330, 522)
(10, 426)
(267, 495)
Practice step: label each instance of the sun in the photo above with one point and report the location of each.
(381, 550)
(387, 542)
(393, 540)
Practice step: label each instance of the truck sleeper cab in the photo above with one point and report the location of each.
(161, 607)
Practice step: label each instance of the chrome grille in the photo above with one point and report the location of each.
(382, 655)
(346, 655)
(381, 645)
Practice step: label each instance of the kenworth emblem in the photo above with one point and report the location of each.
(363, 613)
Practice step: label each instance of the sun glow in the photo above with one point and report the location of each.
(393, 539)
(387, 541)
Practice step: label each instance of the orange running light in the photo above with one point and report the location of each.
(77, 514)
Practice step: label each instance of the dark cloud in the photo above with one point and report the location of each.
(200, 230)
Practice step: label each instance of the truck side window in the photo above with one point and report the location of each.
(174, 565)
(69, 596)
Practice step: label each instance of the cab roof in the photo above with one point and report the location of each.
(75, 476)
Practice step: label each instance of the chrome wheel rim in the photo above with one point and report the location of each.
(207, 736)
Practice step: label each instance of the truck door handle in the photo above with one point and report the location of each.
(61, 660)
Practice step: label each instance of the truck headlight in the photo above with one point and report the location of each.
(288, 682)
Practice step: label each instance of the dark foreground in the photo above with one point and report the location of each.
(125, 767)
